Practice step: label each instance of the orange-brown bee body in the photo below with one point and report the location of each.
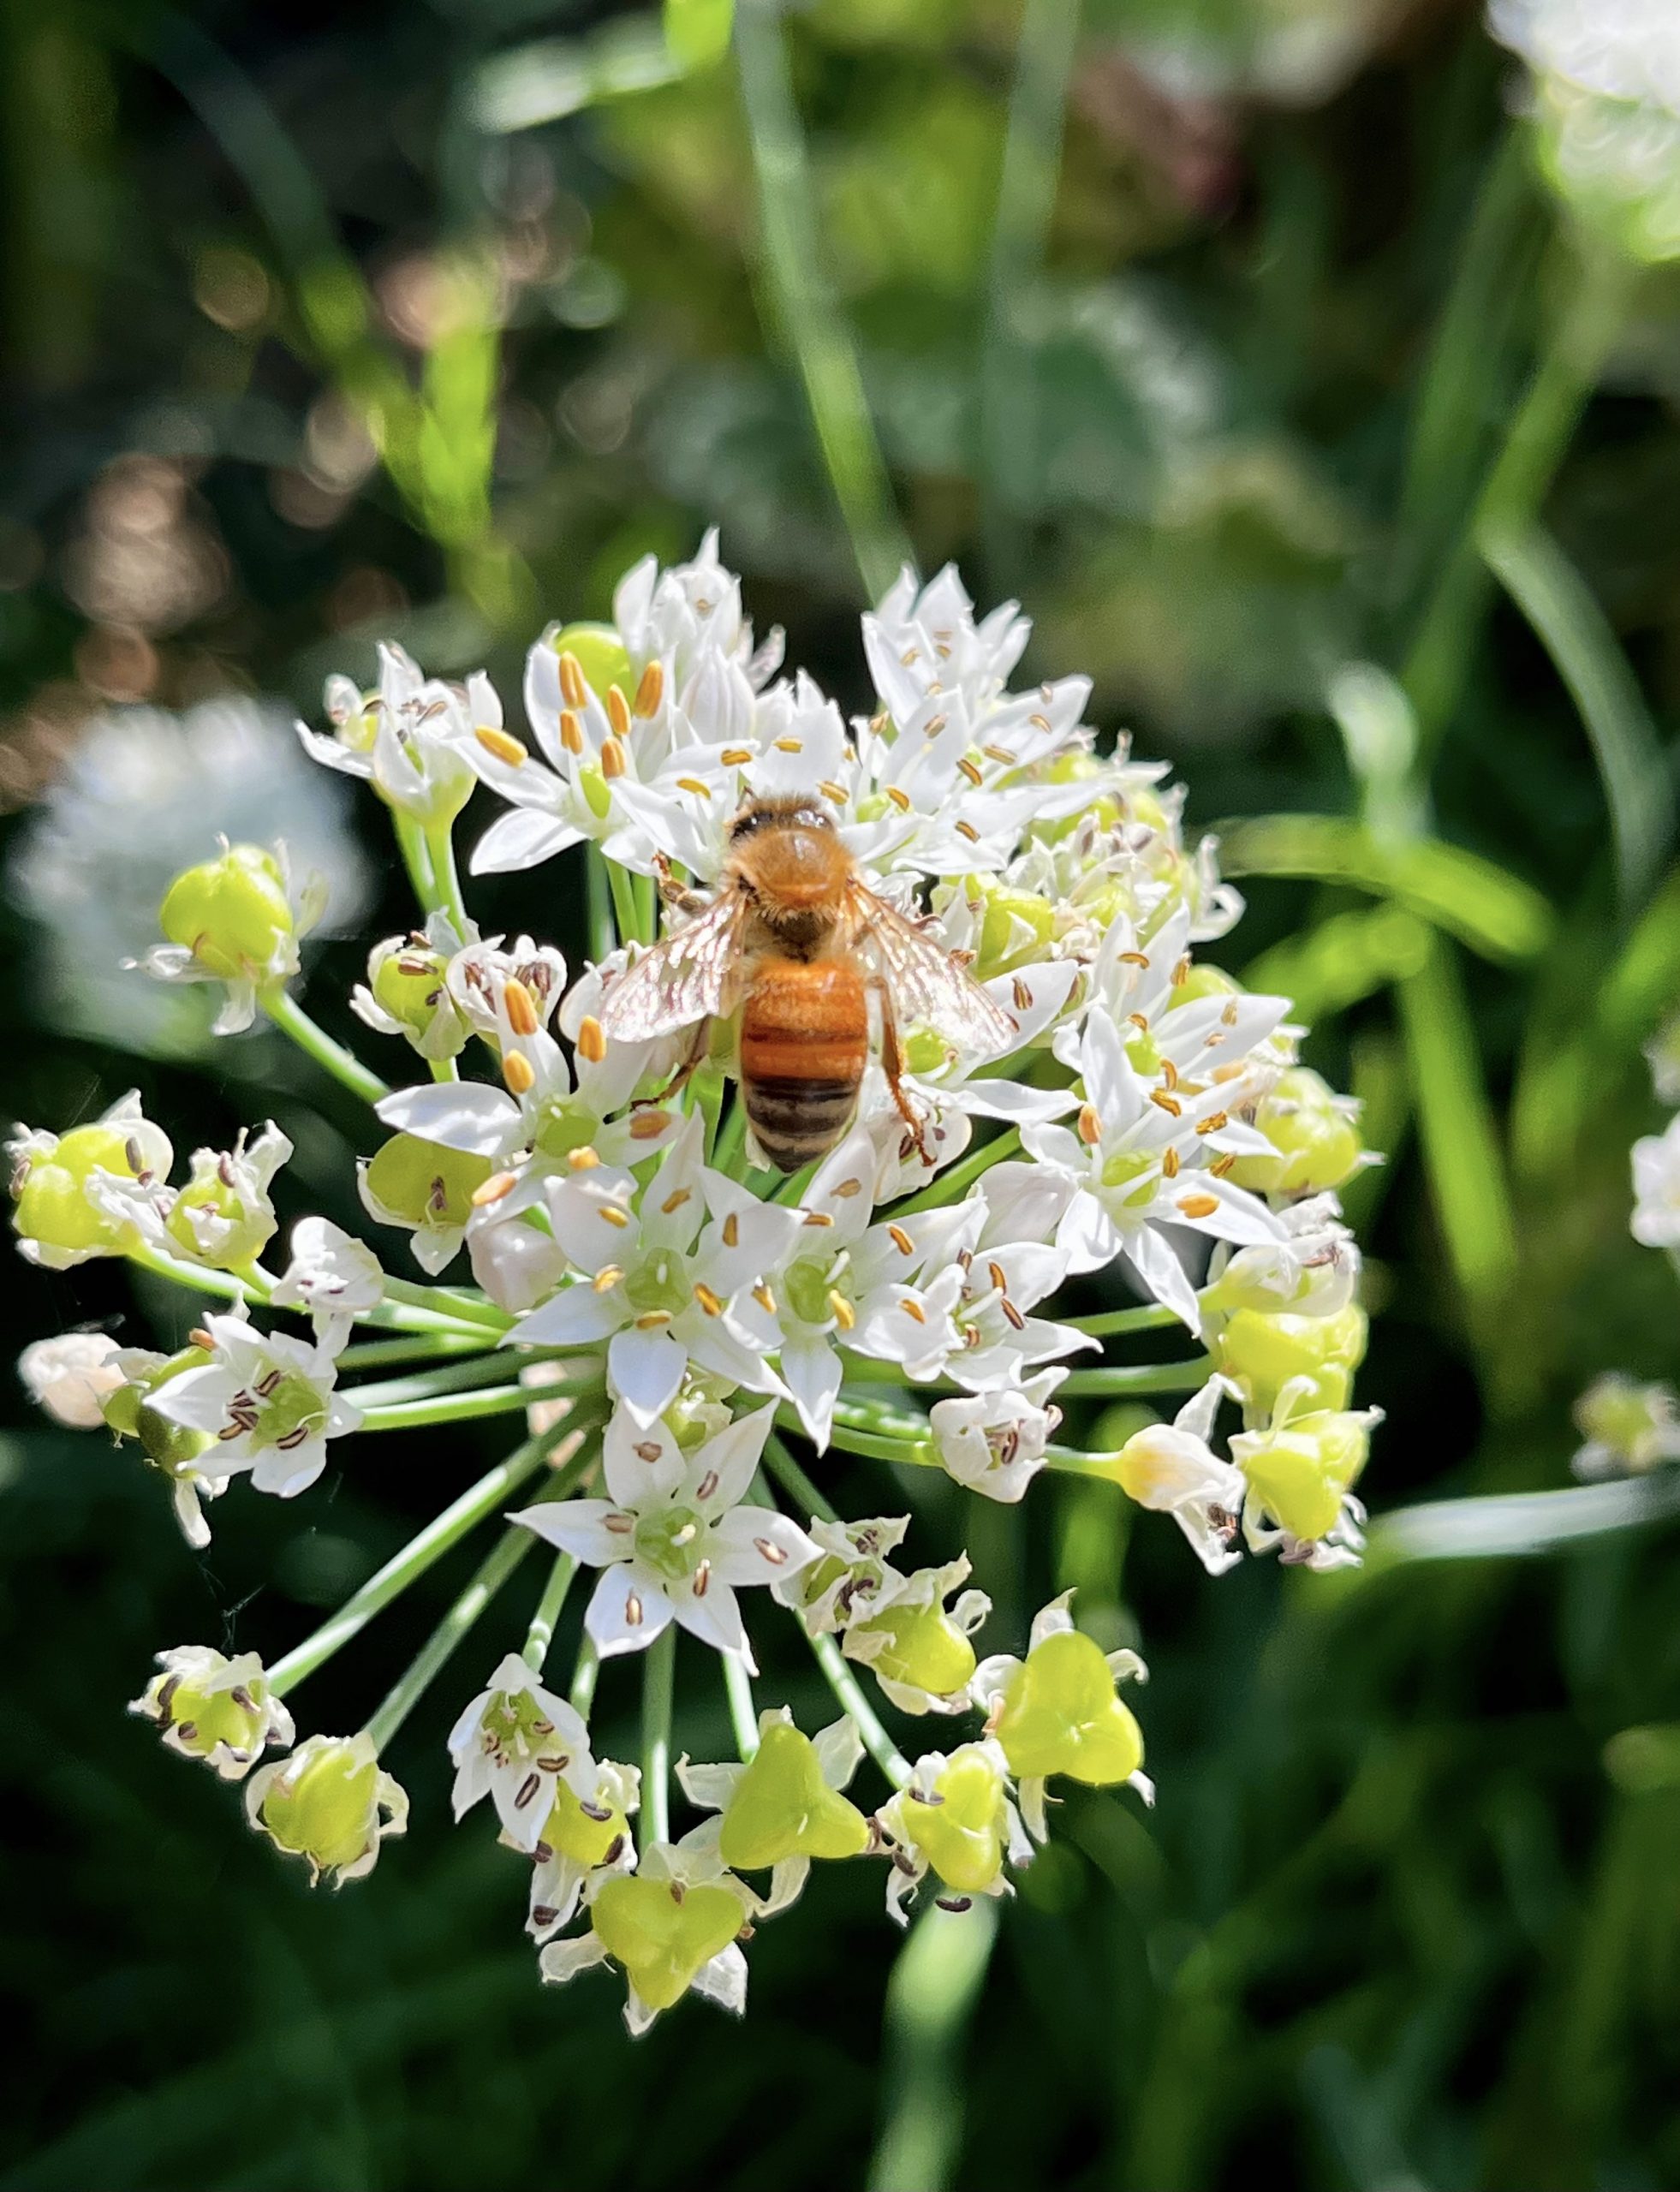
(804, 1043)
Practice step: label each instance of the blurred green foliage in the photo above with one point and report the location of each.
(1244, 342)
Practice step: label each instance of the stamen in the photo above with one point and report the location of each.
(1198, 1206)
(1224, 1164)
(996, 1273)
(914, 1310)
(1021, 995)
(571, 732)
(968, 830)
(1001, 754)
(971, 771)
(674, 1201)
(847, 1189)
(1090, 1125)
(707, 1486)
(818, 1218)
(583, 1160)
(1170, 1104)
(1170, 1162)
(1040, 722)
(574, 687)
(1213, 1122)
(651, 689)
(1132, 958)
(1181, 973)
(707, 1300)
(200, 1338)
(934, 725)
(844, 1315)
(789, 745)
(633, 1611)
(648, 1451)
(606, 1278)
(618, 712)
(900, 798)
(693, 785)
(735, 757)
(774, 1553)
(702, 1578)
(732, 1231)
(522, 1016)
(620, 1525)
(765, 1298)
(648, 1126)
(613, 763)
(652, 1320)
(133, 1153)
(831, 790)
(519, 1073)
(900, 1240)
(614, 1214)
(492, 1189)
(503, 744)
(527, 1791)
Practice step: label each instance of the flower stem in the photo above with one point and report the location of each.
(462, 1408)
(429, 1661)
(931, 1999)
(541, 1634)
(416, 858)
(290, 1018)
(963, 1174)
(731, 1137)
(449, 1301)
(1151, 1317)
(794, 1481)
(1140, 1378)
(447, 1378)
(424, 1347)
(624, 911)
(876, 1740)
(743, 1713)
(585, 1675)
(657, 1688)
(431, 1545)
(793, 262)
(446, 878)
(599, 898)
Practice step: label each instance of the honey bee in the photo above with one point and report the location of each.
(796, 942)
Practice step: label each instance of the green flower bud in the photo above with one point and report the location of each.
(215, 1708)
(1060, 1715)
(1301, 1473)
(921, 1646)
(662, 1933)
(57, 1221)
(422, 1183)
(601, 655)
(233, 915)
(1314, 1132)
(589, 1837)
(170, 1446)
(964, 1830)
(783, 1807)
(330, 1802)
(1260, 1353)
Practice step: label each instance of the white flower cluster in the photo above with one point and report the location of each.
(628, 1236)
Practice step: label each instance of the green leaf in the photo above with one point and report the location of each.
(1379, 732)
(552, 78)
(1492, 912)
(1514, 1525)
(1576, 633)
(697, 31)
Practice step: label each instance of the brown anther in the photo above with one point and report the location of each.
(592, 1044)
(818, 1218)
(707, 1300)
(134, 1154)
(522, 1015)
(999, 1278)
(266, 1387)
(971, 771)
(773, 1551)
(1013, 1314)
(571, 732)
(847, 1189)
(527, 1791)
(1090, 1125)
(1021, 996)
(648, 1126)
(613, 764)
(633, 1611)
(503, 744)
(934, 725)
(224, 1170)
(573, 686)
(1213, 1122)
(702, 1578)
(200, 1338)
(1000, 753)
(651, 690)
(620, 1525)
(492, 1189)
(1170, 1104)
(1198, 1206)
(765, 1298)
(707, 1485)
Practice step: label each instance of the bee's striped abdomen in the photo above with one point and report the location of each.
(804, 1042)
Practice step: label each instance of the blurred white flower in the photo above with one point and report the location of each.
(145, 795)
(70, 1376)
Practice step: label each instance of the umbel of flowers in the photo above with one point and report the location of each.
(684, 1334)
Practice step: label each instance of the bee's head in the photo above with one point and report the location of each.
(794, 811)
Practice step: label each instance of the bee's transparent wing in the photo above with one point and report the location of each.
(683, 979)
(926, 982)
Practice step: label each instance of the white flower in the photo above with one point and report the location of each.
(58, 1181)
(406, 992)
(1312, 1272)
(1626, 1427)
(1172, 1469)
(411, 739)
(214, 1708)
(995, 1442)
(1656, 1182)
(853, 1578)
(672, 1539)
(267, 1400)
(333, 1276)
(514, 1743)
(1145, 1156)
(659, 1282)
(688, 616)
(224, 1215)
(141, 796)
(70, 1376)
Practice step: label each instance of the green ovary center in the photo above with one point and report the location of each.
(564, 1125)
(659, 1283)
(808, 1285)
(671, 1541)
(511, 1724)
(1122, 1169)
(294, 1406)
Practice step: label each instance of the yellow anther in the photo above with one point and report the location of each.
(900, 798)
(503, 744)
(591, 1042)
(694, 785)
(492, 1189)
(1090, 1125)
(651, 690)
(613, 764)
(573, 686)
(901, 1241)
(732, 1231)
(519, 1073)
(583, 1160)
(735, 757)
(571, 732)
(618, 712)
(522, 1015)
(968, 830)
(789, 745)
(1170, 1162)
(765, 1298)
(1170, 1104)
(653, 1320)
(707, 1300)
(1198, 1206)
(606, 1278)
(614, 1214)
(844, 1315)
(648, 1126)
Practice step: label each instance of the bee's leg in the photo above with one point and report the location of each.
(692, 1060)
(677, 894)
(892, 1064)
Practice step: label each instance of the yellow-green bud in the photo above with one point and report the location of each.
(963, 1833)
(662, 1933)
(1015, 928)
(423, 1183)
(1313, 1132)
(601, 655)
(1200, 982)
(1060, 1715)
(55, 1213)
(324, 1803)
(1301, 1474)
(589, 1838)
(783, 1807)
(1260, 1353)
(233, 914)
(923, 1648)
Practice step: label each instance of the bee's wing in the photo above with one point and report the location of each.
(926, 983)
(678, 981)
